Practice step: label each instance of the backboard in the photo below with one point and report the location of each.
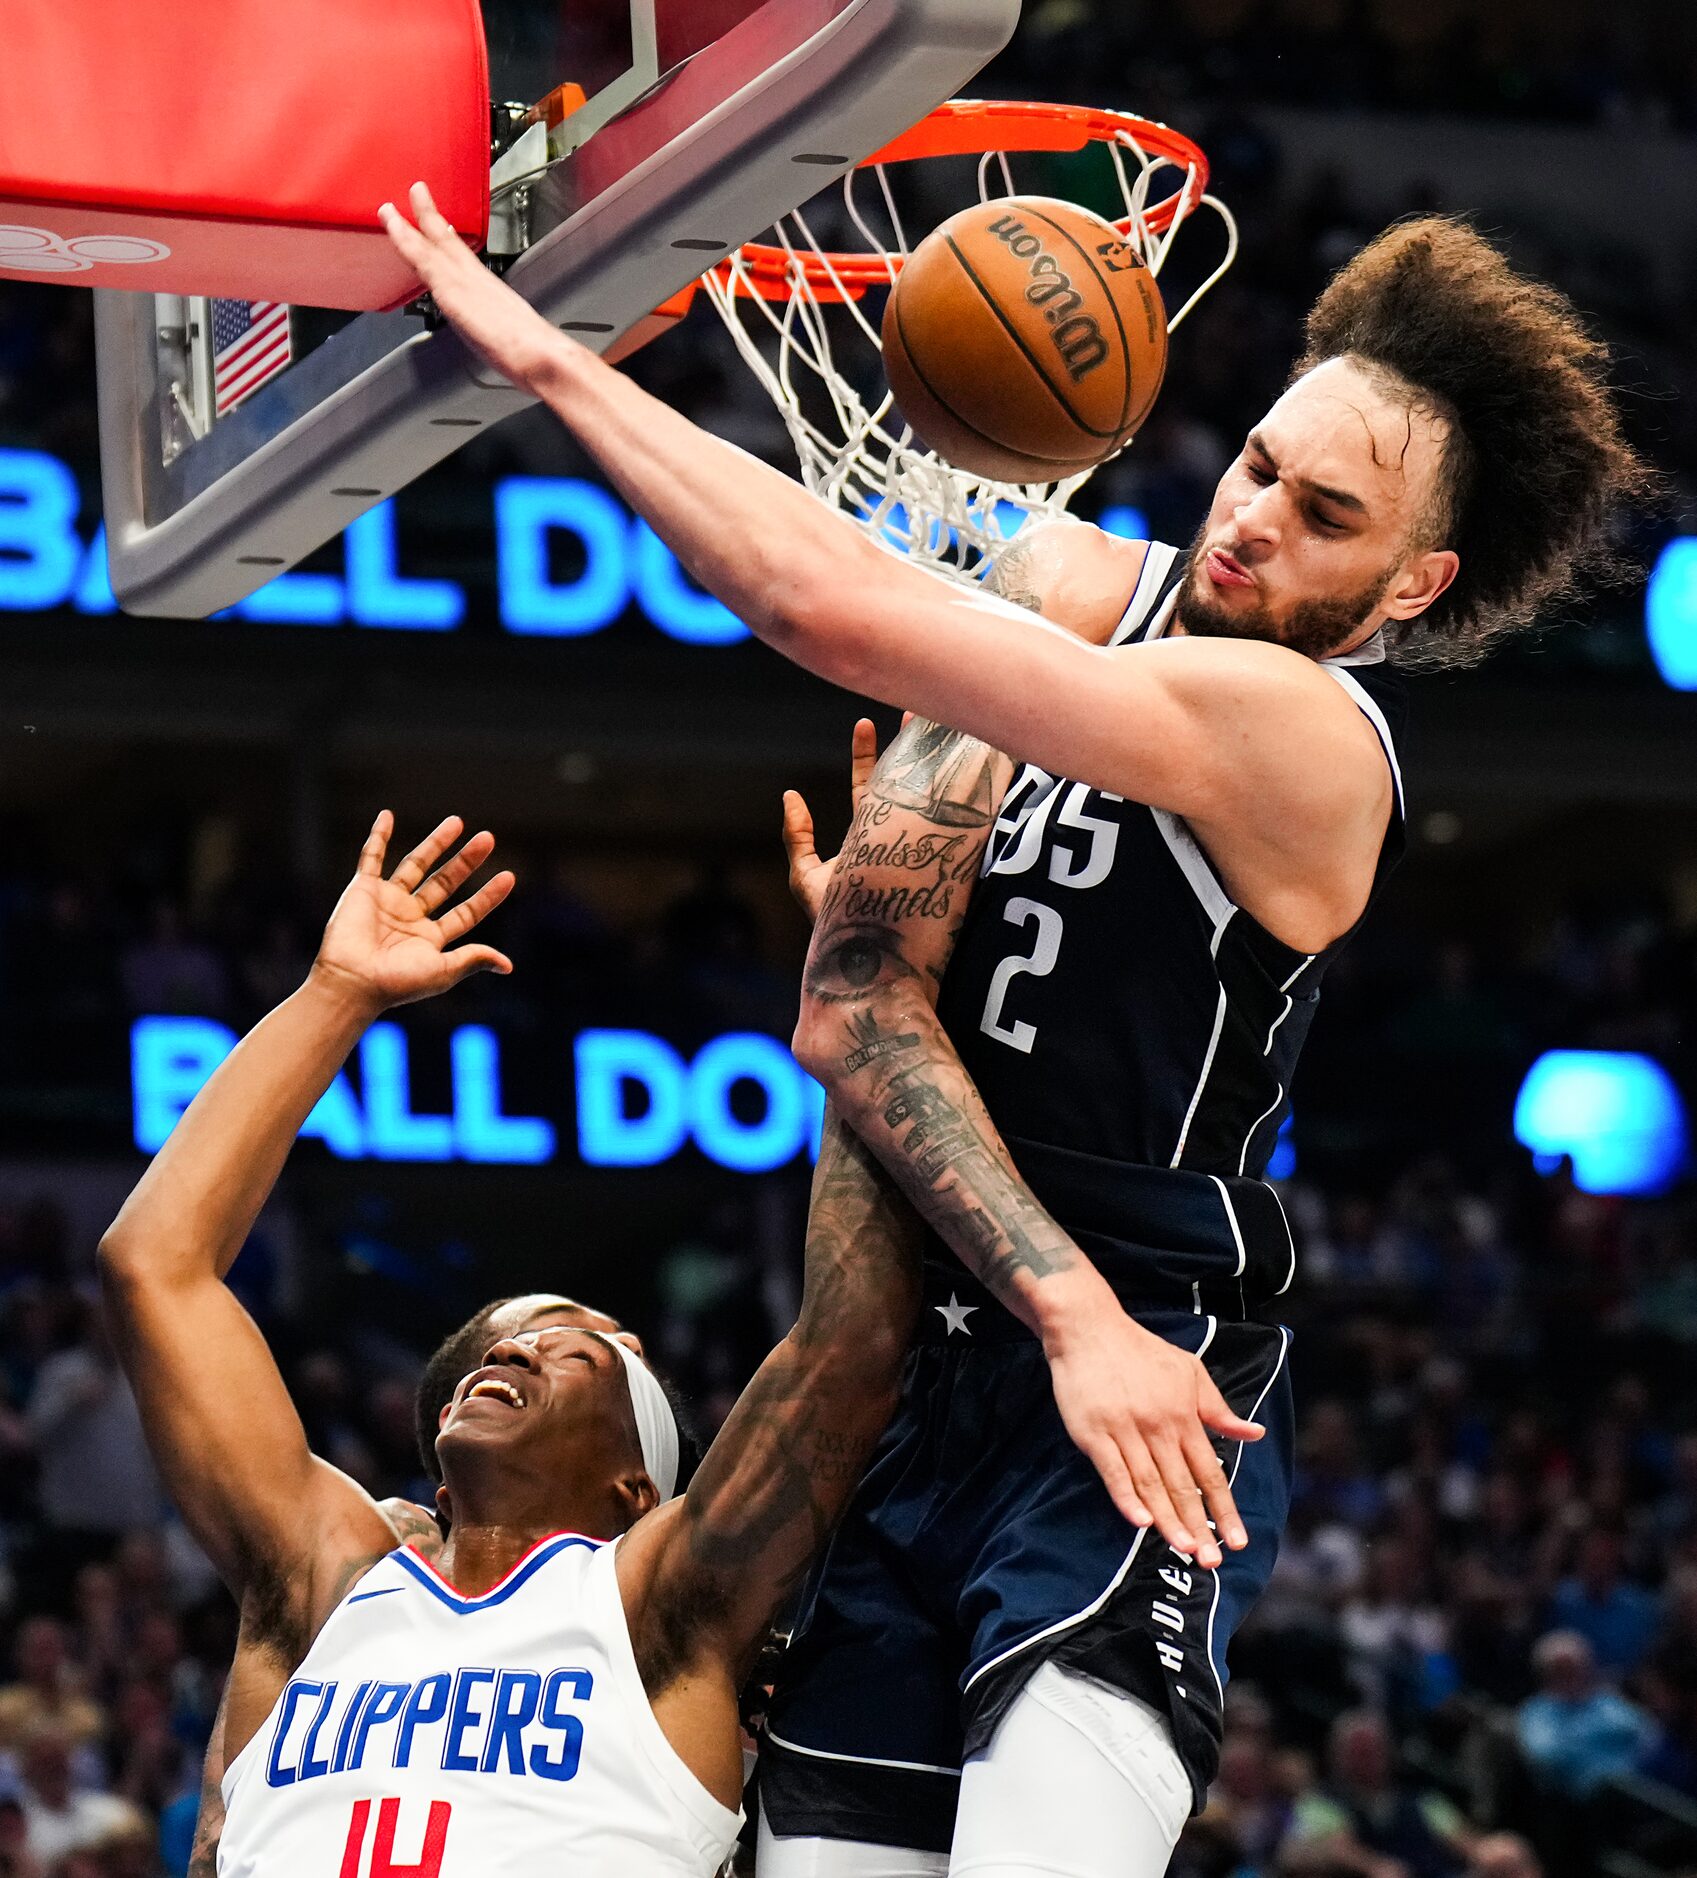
(700, 122)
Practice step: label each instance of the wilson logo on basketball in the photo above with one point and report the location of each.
(41, 251)
(1078, 338)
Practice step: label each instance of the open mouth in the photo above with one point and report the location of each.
(494, 1389)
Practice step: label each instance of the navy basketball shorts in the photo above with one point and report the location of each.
(981, 1544)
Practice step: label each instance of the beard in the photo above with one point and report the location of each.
(1312, 627)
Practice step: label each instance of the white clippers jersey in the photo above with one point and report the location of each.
(429, 1735)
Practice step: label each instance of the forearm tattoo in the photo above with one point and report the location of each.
(900, 1079)
(901, 1072)
(796, 1442)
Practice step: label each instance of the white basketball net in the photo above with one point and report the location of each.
(854, 450)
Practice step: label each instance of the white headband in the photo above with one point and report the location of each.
(656, 1426)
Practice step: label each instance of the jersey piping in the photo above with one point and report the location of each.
(1148, 617)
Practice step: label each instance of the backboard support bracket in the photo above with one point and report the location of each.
(712, 153)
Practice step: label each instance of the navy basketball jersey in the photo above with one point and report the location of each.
(1107, 995)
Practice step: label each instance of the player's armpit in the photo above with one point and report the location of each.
(704, 1576)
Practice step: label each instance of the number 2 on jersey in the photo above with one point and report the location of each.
(1024, 827)
(1039, 962)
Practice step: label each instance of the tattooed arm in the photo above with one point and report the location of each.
(887, 920)
(704, 1576)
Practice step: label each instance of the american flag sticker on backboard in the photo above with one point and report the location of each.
(250, 346)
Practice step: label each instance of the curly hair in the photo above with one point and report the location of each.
(1535, 457)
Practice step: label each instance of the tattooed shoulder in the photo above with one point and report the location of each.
(414, 1526)
(1014, 576)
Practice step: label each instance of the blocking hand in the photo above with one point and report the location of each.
(482, 309)
(810, 875)
(394, 940)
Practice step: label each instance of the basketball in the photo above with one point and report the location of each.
(1025, 340)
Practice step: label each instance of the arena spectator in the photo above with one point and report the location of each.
(60, 1816)
(169, 970)
(1575, 1732)
(48, 1692)
(97, 1478)
(1504, 1855)
(1247, 1804)
(16, 1859)
(1675, 1515)
(1616, 1617)
(1332, 1480)
(1392, 1629)
(1366, 1819)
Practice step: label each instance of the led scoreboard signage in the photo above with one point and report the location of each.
(47, 561)
(634, 1099)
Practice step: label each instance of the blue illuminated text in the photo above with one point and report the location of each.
(742, 1100)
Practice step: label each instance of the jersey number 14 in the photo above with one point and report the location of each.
(428, 1863)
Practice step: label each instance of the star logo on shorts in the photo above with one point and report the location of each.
(955, 1314)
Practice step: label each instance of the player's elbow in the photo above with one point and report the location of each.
(122, 1270)
(811, 1044)
(116, 1256)
(127, 1260)
(822, 636)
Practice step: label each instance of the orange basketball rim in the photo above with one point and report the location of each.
(991, 130)
(963, 127)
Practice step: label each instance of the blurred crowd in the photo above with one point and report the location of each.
(1632, 65)
(1484, 1616)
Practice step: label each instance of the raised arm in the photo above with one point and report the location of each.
(705, 1575)
(272, 1517)
(1238, 736)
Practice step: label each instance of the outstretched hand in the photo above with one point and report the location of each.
(393, 941)
(810, 875)
(1145, 1413)
(482, 309)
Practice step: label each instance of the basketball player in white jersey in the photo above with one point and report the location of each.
(254, 1670)
(559, 1687)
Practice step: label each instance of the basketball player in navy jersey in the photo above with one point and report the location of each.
(1205, 794)
(561, 1684)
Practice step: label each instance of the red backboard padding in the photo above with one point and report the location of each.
(236, 147)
